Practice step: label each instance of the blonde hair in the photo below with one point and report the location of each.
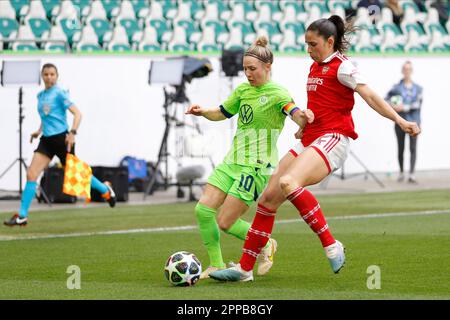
(260, 50)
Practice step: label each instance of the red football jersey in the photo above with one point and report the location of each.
(330, 90)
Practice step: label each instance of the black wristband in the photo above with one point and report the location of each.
(73, 131)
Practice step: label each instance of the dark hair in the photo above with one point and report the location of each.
(49, 65)
(334, 27)
(260, 50)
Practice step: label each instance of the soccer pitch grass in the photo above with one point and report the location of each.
(411, 250)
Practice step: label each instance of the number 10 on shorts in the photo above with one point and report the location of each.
(246, 182)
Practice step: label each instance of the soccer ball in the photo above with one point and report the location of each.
(396, 100)
(183, 269)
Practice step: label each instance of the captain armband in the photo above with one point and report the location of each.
(290, 109)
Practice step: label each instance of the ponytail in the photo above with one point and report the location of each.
(334, 27)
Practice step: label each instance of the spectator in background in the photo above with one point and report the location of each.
(442, 6)
(374, 7)
(421, 5)
(397, 10)
(368, 3)
(406, 98)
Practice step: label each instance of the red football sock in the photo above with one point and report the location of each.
(310, 211)
(257, 236)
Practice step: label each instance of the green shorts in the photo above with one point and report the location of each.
(242, 182)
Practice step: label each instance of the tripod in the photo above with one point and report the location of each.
(20, 159)
(179, 96)
(366, 173)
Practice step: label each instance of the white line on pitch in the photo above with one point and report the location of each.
(181, 228)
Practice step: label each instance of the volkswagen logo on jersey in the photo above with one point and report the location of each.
(246, 114)
(263, 100)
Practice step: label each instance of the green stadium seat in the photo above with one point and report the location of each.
(219, 27)
(70, 28)
(410, 4)
(321, 5)
(131, 26)
(414, 26)
(235, 47)
(333, 4)
(89, 48)
(55, 47)
(435, 27)
(39, 26)
(20, 6)
(246, 27)
(119, 48)
(196, 7)
(418, 49)
(7, 27)
(297, 5)
(83, 6)
(19, 46)
(180, 47)
(441, 49)
(189, 26)
(209, 48)
(141, 7)
(49, 6)
(298, 27)
(150, 48)
(272, 30)
(101, 27)
(393, 49)
(109, 6)
(223, 8)
(292, 49)
(170, 8)
(161, 26)
(393, 27)
(247, 5)
(273, 6)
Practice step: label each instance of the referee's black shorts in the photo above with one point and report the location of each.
(55, 146)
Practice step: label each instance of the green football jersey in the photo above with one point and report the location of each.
(262, 111)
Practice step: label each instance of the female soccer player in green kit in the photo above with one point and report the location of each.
(262, 106)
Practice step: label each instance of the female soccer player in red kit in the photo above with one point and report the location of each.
(324, 146)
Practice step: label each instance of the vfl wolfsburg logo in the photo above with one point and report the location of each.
(263, 100)
(246, 114)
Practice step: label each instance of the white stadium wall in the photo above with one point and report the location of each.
(123, 115)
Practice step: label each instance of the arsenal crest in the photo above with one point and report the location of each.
(325, 69)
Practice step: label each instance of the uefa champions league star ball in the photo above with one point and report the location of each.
(183, 269)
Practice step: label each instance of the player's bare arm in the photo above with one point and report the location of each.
(382, 107)
(213, 114)
(301, 118)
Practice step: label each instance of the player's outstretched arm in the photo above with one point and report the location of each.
(382, 107)
(301, 118)
(213, 114)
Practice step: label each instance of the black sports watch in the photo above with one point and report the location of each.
(73, 131)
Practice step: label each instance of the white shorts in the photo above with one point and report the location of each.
(332, 147)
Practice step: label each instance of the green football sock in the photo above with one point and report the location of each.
(210, 234)
(239, 229)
